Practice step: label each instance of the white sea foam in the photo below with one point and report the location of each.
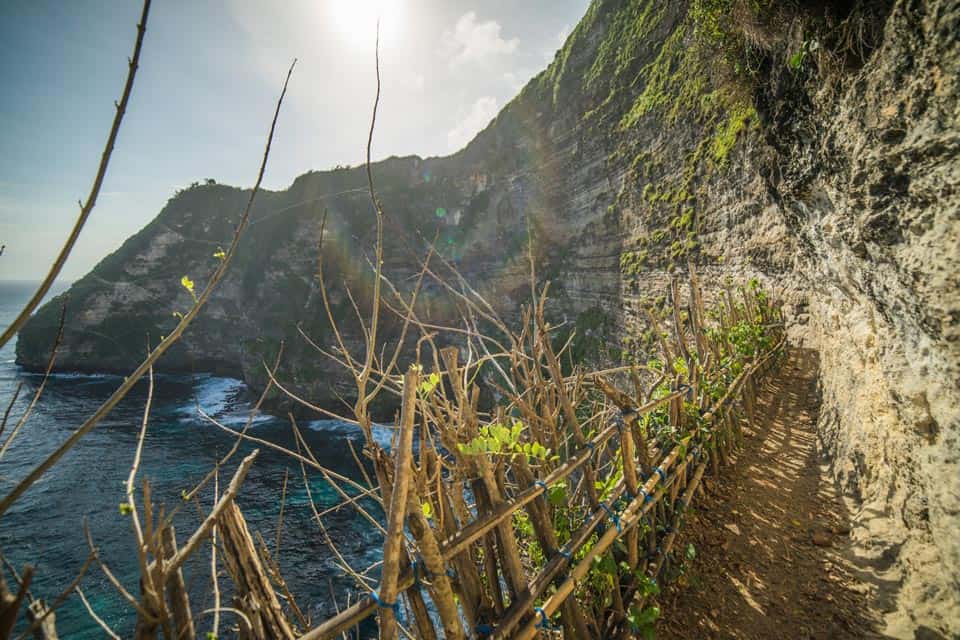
(215, 395)
(381, 434)
(222, 398)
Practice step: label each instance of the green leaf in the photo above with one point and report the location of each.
(428, 385)
(649, 615)
(557, 495)
(220, 254)
(427, 510)
(125, 508)
(796, 60)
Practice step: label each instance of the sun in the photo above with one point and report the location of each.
(356, 20)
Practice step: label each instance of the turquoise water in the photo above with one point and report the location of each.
(44, 528)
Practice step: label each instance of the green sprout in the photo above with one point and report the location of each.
(429, 384)
(187, 284)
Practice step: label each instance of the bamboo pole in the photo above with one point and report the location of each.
(392, 545)
(176, 589)
(255, 596)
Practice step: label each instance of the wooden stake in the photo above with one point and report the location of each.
(176, 589)
(392, 545)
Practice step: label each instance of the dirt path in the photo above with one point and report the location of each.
(769, 540)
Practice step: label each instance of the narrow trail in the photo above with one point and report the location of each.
(769, 540)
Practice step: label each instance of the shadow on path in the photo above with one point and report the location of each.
(769, 538)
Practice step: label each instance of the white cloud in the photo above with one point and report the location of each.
(479, 116)
(472, 41)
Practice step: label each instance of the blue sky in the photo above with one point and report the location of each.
(210, 73)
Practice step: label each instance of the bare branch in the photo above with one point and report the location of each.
(96, 618)
(91, 202)
(43, 384)
(165, 344)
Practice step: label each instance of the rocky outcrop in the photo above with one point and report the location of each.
(812, 147)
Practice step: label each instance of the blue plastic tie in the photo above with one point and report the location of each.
(451, 573)
(565, 553)
(613, 517)
(484, 629)
(591, 446)
(659, 472)
(541, 484)
(386, 605)
(544, 619)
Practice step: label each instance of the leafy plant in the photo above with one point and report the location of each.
(428, 385)
(642, 621)
(797, 59)
(497, 439)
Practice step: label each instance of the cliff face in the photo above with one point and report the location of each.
(824, 163)
(873, 200)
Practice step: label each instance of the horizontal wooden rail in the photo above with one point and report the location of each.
(637, 508)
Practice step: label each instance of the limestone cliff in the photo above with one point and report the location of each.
(814, 147)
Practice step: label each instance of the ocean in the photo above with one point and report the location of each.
(45, 527)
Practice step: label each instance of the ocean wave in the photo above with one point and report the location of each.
(381, 434)
(215, 395)
(224, 399)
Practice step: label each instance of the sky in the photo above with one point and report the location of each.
(210, 73)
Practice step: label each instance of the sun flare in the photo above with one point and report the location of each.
(356, 20)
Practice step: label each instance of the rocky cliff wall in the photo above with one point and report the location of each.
(874, 200)
(811, 146)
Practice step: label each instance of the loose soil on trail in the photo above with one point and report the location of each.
(769, 540)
